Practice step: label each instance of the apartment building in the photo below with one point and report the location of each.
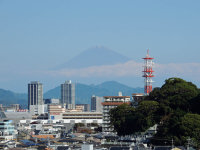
(109, 103)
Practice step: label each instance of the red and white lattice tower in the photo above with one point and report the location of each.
(148, 73)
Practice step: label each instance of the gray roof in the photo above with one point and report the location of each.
(17, 115)
(2, 115)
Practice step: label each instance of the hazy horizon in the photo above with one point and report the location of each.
(38, 35)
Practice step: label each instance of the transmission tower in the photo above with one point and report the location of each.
(148, 73)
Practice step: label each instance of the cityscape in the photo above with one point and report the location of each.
(99, 75)
(63, 124)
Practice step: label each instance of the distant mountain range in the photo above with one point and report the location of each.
(8, 97)
(96, 56)
(83, 93)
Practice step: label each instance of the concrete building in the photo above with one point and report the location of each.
(96, 105)
(35, 98)
(80, 108)
(86, 107)
(51, 101)
(16, 116)
(77, 117)
(7, 131)
(68, 94)
(82, 117)
(55, 110)
(87, 147)
(109, 103)
(137, 97)
(10, 108)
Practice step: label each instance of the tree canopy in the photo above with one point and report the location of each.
(170, 106)
(175, 93)
(128, 120)
(120, 118)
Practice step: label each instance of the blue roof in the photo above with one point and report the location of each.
(28, 143)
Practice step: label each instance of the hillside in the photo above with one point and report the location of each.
(9, 97)
(84, 92)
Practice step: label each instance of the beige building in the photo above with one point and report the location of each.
(82, 117)
(55, 110)
(80, 108)
(137, 97)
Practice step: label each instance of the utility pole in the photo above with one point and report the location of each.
(188, 145)
(172, 143)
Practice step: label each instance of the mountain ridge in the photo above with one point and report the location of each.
(96, 56)
(10, 97)
(84, 93)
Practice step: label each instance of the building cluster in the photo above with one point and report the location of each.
(65, 108)
(36, 103)
(62, 119)
(55, 119)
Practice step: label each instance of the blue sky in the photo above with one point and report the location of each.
(38, 35)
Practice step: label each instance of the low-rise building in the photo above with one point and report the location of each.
(137, 97)
(82, 117)
(55, 111)
(80, 108)
(7, 130)
(85, 107)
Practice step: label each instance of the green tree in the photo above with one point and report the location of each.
(120, 118)
(174, 99)
(146, 110)
(190, 128)
(170, 106)
(169, 127)
(128, 120)
(194, 104)
(175, 93)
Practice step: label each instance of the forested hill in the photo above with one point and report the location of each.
(174, 108)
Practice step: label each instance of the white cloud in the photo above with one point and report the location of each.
(179, 69)
(134, 69)
(130, 68)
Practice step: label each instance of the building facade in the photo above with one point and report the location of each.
(86, 107)
(7, 131)
(96, 103)
(82, 117)
(54, 110)
(109, 103)
(51, 101)
(68, 94)
(35, 98)
(137, 97)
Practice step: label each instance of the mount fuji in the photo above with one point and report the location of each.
(96, 56)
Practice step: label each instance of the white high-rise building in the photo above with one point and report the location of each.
(68, 94)
(96, 105)
(35, 98)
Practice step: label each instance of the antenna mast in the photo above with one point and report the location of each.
(148, 73)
